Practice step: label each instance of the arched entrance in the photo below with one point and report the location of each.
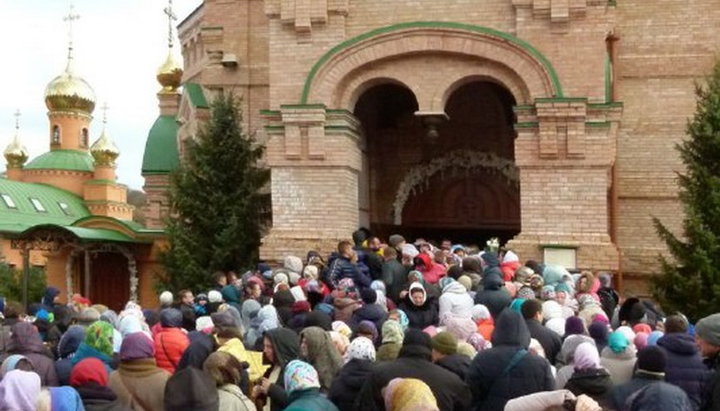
(438, 177)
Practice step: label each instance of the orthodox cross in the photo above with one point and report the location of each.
(71, 16)
(171, 17)
(17, 119)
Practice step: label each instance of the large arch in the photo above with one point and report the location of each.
(482, 44)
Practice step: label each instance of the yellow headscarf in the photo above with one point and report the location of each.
(409, 394)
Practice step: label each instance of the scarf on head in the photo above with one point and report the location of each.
(89, 370)
(10, 363)
(321, 353)
(586, 357)
(99, 335)
(361, 348)
(300, 376)
(392, 332)
(19, 390)
(409, 394)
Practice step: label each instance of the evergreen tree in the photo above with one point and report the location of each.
(217, 208)
(690, 282)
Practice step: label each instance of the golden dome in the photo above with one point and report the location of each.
(169, 75)
(104, 151)
(16, 154)
(69, 92)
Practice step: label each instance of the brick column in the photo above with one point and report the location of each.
(315, 161)
(565, 151)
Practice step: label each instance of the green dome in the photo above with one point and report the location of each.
(161, 150)
(62, 160)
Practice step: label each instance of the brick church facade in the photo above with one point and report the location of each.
(550, 124)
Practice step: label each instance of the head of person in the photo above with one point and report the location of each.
(389, 253)
(137, 346)
(443, 344)
(404, 394)
(99, 335)
(252, 290)
(223, 368)
(220, 278)
(676, 324)
(170, 318)
(361, 348)
(185, 296)
(418, 295)
(707, 335)
(300, 376)
(191, 389)
(345, 249)
(532, 310)
(15, 362)
(165, 298)
(652, 360)
(374, 243)
(89, 371)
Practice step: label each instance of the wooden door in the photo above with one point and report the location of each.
(110, 280)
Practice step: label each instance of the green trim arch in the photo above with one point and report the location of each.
(522, 44)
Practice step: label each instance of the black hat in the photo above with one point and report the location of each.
(651, 359)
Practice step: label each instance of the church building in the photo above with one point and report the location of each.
(550, 124)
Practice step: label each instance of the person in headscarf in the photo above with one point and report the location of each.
(340, 341)
(421, 309)
(317, 348)
(461, 328)
(409, 394)
(599, 332)
(483, 319)
(619, 358)
(231, 295)
(266, 319)
(15, 362)
(171, 340)
(234, 313)
(399, 316)
(138, 382)
(25, 340)
(59, 399)
(191, 389)
(19, 391)
(111, 317)
(455, 300)
(98, 343)
(280, 346)
(347, 384)
(392, 338)
(250, 309)
(283, 302)
(230, 341)
(227, 373)
(342, 328)
(589, 377)
(90, 379)
(51, 299)
(303, 387)
(68, 345)
(370, 311)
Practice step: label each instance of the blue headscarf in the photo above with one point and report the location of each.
(65, 399)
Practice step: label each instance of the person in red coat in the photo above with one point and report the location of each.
(171, 340)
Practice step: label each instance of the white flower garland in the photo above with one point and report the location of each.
(417, 179)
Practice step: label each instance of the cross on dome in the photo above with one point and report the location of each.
(171, 17)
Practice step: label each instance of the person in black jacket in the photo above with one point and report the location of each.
(187, 308)
(507, 370)
(493, 295)
(394, 274)
(589, 377)
(369, 311)
(707, 336)
(550, 340)
(421, 309)
(346, 266)
(414, 362)
(684, 365)
(347, 384)
(651, 364)
(280, 346)
(444, 354)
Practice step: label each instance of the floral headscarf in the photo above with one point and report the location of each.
(299, 376)
(392, 332)
(99, 335)
(360, 348)
(409, 394)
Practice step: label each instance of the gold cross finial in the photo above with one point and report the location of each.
(105, 109)
(17, 119)
(69, 18)
(171, 17)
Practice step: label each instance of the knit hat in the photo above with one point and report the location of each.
(445, 343)
(300, 307)
(293, 263)
(652, 359)
(480, 312)
(460, 327)
(618, 342)
(170, 318)
(166, 298)
(640, 341)
(89, 370)
(395, 239)
(136, 346)
(214, 296)
(368, 295)
(392, 332)
(88, 316)
(361, 348)
(574, 325)
(299, 376)
(191, 389)
(465, 281)
(708, 329)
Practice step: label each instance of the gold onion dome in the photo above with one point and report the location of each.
(16, 154)
(70, 92)
(104, 151)
(169, 74)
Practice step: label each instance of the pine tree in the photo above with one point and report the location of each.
(690, 282)
(217, 207)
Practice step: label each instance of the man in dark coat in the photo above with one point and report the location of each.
(394, 274)
(420, 308)
(507, 370)
(684, 366)
(494, 295)
(414, 362)
(372, 260)
(650, 369)
(345, 266)
(187, 309)
(707, 336)
(550, 340)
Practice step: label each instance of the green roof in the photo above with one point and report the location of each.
(84, 234)
(196, 94)
(62, 160)
(24, 215)
(161, 150)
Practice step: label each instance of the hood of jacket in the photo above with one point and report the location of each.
(510, 329)
(455, 288)
(417, 286)
(678, 343)
(70, 341)
(593, 381)
(230, 294)
(492, 282)
(25, 339)
(286, 344)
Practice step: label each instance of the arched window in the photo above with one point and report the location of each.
(84, 139)
(56, 135)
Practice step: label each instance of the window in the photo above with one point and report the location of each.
(8, 201)
(39, 207)
(65, 208)
(56, 135)
(84, 140)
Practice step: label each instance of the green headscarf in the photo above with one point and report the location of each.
(392, 332)
(99, 336)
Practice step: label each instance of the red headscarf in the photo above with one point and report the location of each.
(87, 371)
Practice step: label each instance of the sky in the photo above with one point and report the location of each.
(118, 46)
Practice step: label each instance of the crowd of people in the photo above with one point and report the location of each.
(394, 326)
